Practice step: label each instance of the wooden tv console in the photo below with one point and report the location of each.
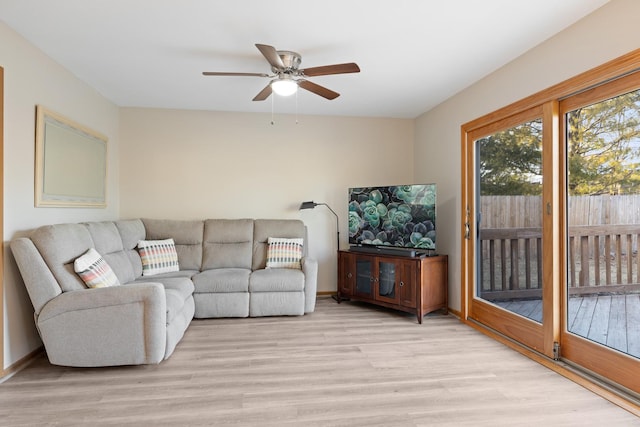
(410, 284)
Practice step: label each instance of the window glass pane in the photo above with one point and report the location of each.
(603, 164)
(510, 223)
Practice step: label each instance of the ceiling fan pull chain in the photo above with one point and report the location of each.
(296, 107)
(272, 101)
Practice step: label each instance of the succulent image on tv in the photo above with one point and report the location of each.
(400, 216)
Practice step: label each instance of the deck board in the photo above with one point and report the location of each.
(582, 323)
(617, 331)
(599, 325)
(633, 324)
(612, 320)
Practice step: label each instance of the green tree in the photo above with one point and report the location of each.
(511, 161)
(603, 153)
(604, 149)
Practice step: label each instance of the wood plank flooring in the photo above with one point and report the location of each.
(348, 364)
(612, 320)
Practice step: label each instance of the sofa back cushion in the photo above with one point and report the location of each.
(227, 243)
(265, 228)
(59, 246)
(187, 236)
(132, 231)
(108, 243)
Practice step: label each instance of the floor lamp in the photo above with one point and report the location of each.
(311, 205)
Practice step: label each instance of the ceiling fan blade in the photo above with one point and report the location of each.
(349, 67)
(317, 89)
(222, 73)
(272, 56)
(264, 93)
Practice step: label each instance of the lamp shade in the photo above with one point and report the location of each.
(308, 205)
(284, 86)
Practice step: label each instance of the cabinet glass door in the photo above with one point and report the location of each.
(386, 281)
(364, 277)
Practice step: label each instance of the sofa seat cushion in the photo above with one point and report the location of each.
(276, 280)
(175, 303)
(222, 280)
(182, 285)
(177, 291)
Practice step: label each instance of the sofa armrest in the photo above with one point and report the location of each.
(310, 270)
(37, 277)
(120, 325)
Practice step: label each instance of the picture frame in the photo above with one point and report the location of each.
(70, 164)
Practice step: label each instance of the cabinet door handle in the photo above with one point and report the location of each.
(401, 283)
(349, 275)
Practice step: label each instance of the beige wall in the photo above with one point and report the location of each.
(200, 164)
(609, 32)
(32, 78)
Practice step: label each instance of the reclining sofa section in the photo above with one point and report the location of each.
(222, 273)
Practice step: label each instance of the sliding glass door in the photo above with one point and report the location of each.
(508, 208)
(601, 130)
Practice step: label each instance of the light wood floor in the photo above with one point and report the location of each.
(348, 364)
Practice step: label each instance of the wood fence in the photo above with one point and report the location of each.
(526, 211)
(601, 257)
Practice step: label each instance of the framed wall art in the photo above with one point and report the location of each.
(71, 163)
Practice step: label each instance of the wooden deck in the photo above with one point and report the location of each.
(611, 320)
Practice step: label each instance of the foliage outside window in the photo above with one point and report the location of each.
(603, 155)
(511, 162)
(604, 146)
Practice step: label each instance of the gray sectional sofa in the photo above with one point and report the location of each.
(221, 274)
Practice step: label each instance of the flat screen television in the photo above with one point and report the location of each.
(401, 216)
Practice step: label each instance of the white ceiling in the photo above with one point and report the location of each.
(413, 54)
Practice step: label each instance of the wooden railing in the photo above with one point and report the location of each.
(600, 259)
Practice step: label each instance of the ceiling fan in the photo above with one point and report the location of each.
(286, 77)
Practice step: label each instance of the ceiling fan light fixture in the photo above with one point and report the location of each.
(284, 86)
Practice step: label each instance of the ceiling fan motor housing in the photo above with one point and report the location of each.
(291, 60)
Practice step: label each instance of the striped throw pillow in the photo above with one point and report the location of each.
(94, 270)
(284, 253)
(158, 256)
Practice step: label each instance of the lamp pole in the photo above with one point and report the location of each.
(311, 205)
(337, 225)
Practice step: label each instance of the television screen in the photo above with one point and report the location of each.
(400, 216)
